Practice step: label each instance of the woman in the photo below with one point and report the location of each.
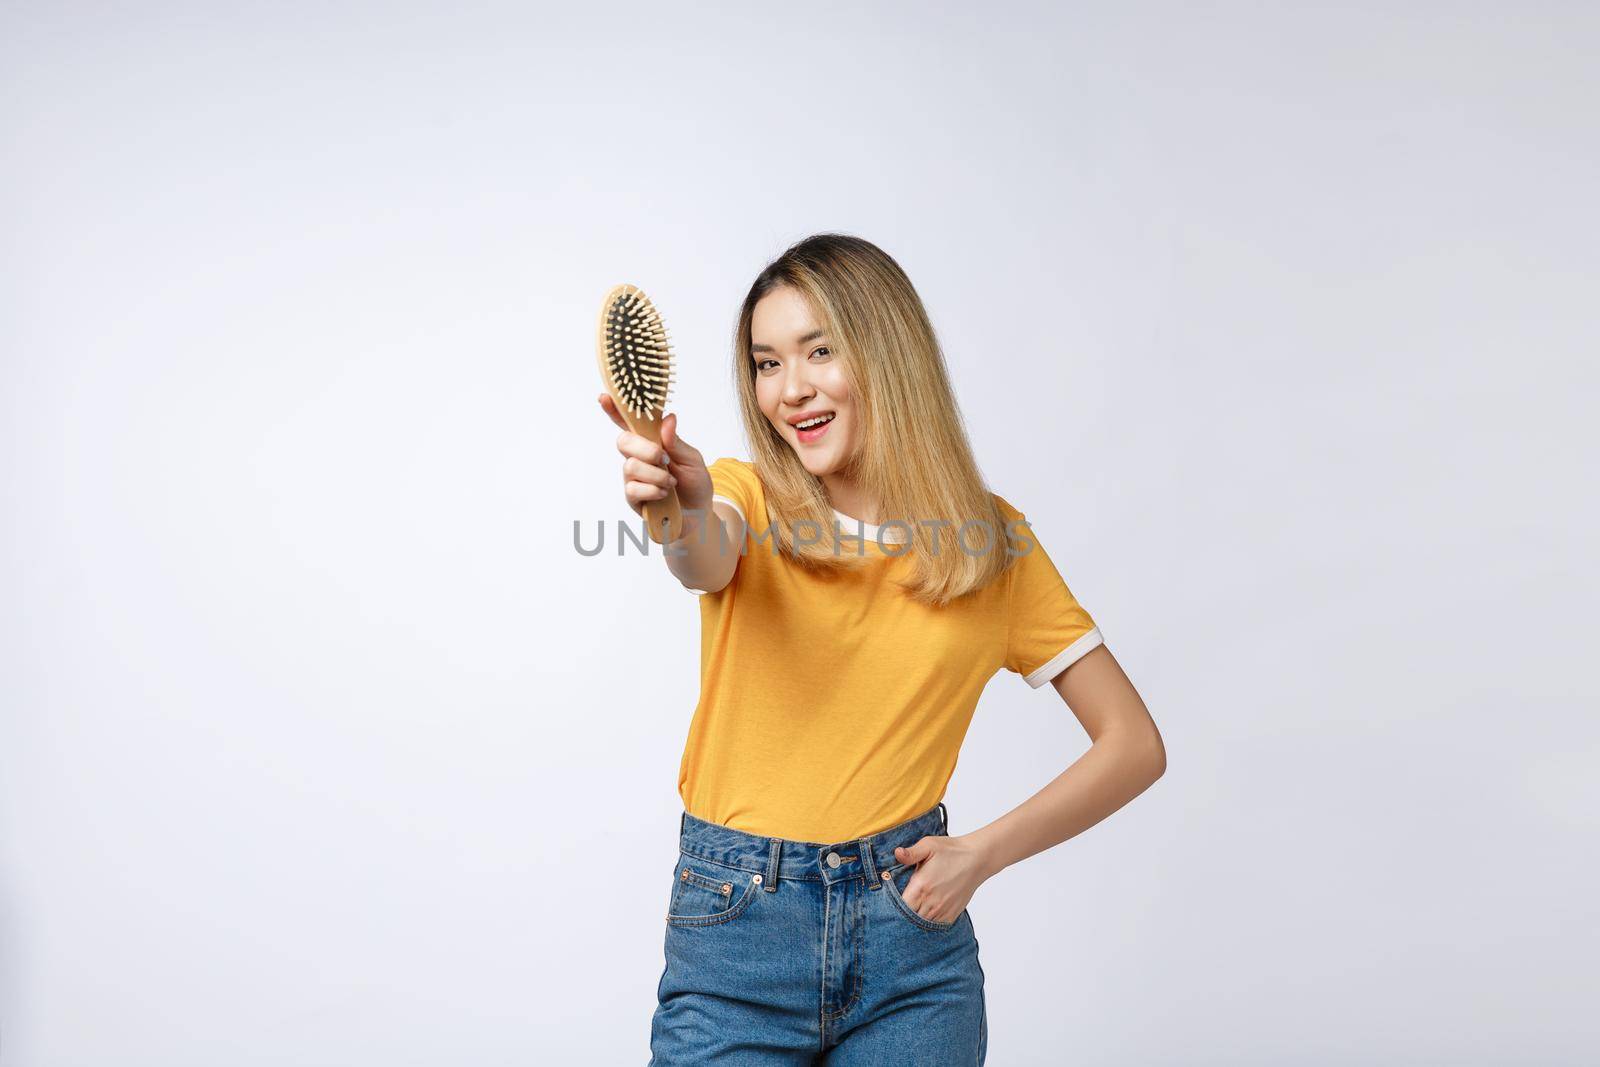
(859, 585)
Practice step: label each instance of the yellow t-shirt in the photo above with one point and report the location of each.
(832, 707)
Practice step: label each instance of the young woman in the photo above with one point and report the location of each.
(859, 585)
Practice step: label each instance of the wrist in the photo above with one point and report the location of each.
(696, 520)
(688, 529)
(991, 858)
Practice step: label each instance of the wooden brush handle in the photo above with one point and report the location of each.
(663, 518)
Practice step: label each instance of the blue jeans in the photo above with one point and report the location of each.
(793, 952)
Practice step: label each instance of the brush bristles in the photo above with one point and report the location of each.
(638, 354)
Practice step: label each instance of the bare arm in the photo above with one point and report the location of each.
(1125, 758)
(707, 553)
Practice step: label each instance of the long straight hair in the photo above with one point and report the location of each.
(912, 453)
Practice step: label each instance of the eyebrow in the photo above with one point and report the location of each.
(812, 336)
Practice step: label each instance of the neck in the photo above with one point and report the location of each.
(846, 496)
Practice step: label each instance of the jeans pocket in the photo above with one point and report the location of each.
(899, 876)
(705, 893)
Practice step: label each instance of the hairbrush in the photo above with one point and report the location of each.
(636, 367)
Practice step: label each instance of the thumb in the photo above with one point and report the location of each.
(915, 853)
(677, 448)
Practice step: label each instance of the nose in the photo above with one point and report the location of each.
(796, 390)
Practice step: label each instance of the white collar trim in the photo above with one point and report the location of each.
(894, 535)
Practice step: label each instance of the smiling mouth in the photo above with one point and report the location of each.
(813, 435)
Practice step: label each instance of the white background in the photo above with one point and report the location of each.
(322, 745)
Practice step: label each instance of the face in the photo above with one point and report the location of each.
(797, 376)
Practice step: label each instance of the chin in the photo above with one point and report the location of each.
(822, 465)
(818, 462)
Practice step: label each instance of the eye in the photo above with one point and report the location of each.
(761, 364)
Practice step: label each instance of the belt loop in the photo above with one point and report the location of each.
(682, 819)
(869, 863)
(771, 881)
(944, 819)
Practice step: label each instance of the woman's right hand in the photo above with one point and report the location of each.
(646, 477)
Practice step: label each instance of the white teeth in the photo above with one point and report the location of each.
(818, 421)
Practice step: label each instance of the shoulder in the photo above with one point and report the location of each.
(732, 471)
(1017, 537)
(735, 481)
(1007, 512)
(1013, 523)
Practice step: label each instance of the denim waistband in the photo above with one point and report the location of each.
(779, 857)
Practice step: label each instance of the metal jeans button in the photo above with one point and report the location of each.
(832, 859)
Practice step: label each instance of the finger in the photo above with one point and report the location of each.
(640, 492)
(643, 449)
(920, 904)
(639, 470)
(914, 853)
(609, 406)
(681, 450)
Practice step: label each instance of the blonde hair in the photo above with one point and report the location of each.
(912, 455)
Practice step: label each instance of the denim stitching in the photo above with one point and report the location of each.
(983, 1001)
(728, 866)
(855, 991)
(760, 842)
(774, 864)
(716, 918)
(822, 990)
(983, 1025)
(696, 878)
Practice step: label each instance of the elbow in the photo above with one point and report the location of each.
(1155, 755)
(703, 592)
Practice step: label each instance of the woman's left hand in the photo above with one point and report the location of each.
(949, 870)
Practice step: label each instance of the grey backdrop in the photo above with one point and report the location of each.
(322, 745)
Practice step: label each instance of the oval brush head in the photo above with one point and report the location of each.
(636, 368)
